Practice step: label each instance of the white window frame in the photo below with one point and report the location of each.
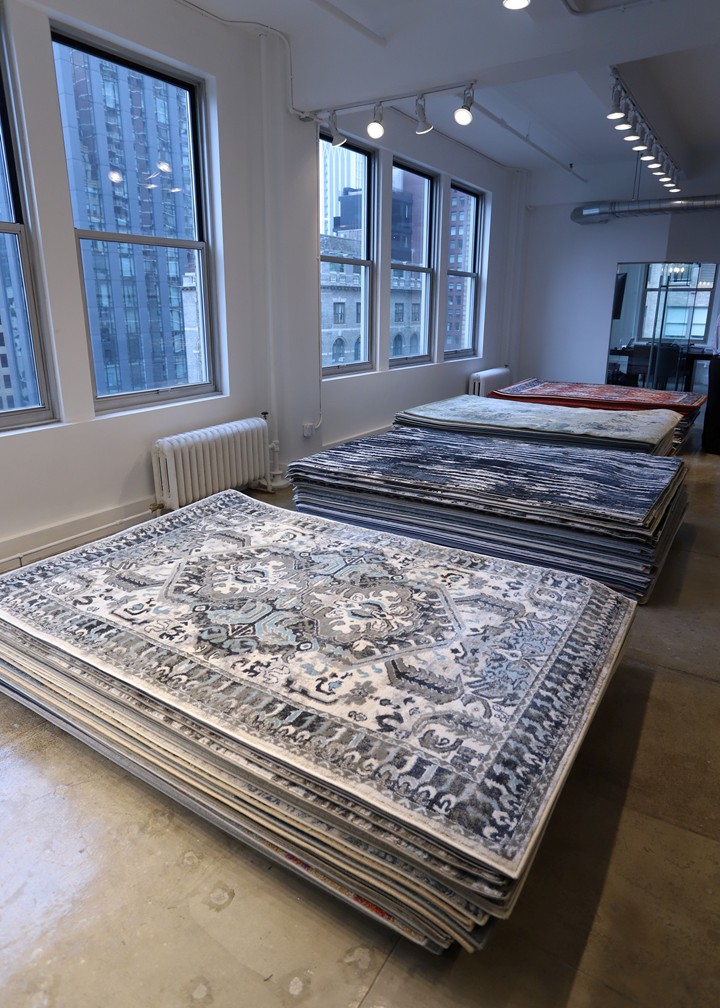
(19, 417)
(349, 364)
(131, 399)
(473, 275)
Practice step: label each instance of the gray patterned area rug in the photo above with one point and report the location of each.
(610, 515)
(391, 719)
(649, 431)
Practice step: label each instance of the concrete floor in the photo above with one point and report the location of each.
(111, 896)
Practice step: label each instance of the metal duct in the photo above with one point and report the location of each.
(601, 212)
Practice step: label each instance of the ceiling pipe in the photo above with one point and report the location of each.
(601, 212)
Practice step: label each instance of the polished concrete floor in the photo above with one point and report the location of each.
(112, 896)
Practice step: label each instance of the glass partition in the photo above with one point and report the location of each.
(663, 324)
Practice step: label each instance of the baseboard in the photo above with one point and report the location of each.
(41, 543)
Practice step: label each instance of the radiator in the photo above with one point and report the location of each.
(190, 466)
(482, 383)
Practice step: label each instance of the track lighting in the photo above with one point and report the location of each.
(643, 143)
(463, 115)
(623, 124)
(616, 111)
(375, 128)
(628, 119)
(634, 134)
(423, 126)
(337, 138)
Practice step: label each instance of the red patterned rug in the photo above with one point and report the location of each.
(600, 396)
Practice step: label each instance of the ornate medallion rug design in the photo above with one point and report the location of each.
(624, 397)
(606, 514)
(392, 719)
(625, 430)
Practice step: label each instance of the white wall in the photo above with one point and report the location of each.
(86, 472)
(565, 329)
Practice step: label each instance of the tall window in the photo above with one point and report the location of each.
(677, 301)
(462, 277)
(134, 184)
(345, 265)
(410, 267)
(23, 389)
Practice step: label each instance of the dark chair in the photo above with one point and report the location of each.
(664, 365)
(637, 366)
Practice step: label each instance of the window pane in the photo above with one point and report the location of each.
(129, 149)
(344, 285)
(145, 314)
(6, 208)
(343, 201)
(344, 313)
(463, 236)
(18, 372)
(410, 217)
(128, 145)
(409, 301)
(460, 313)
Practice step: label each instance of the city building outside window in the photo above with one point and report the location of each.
(410, 272)
(24, 391)
(345, 263)
(136, 191)
(463, 276)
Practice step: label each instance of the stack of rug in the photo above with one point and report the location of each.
(649, 431)
(391, 719)
(610, 397)
(606, 514)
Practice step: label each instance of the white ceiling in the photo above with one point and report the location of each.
(542, 74)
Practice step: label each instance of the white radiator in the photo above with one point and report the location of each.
(482, 383)
(188, 467)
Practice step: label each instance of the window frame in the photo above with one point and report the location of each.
(350, 365)
(474, 274)
(129, 400)
(18, 418)
(429, 270)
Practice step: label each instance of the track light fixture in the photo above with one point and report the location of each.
(624, 123)
(463, 114)
(423, 126)
(375, 127)
(616, 111)
(627, 118)
(337, 138)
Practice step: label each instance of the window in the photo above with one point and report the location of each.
(416, 325)
(24, 395)
(338, 350)
(463, 276)
(130, 144)
(677, 301)
(410, 273)
(345, 265)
